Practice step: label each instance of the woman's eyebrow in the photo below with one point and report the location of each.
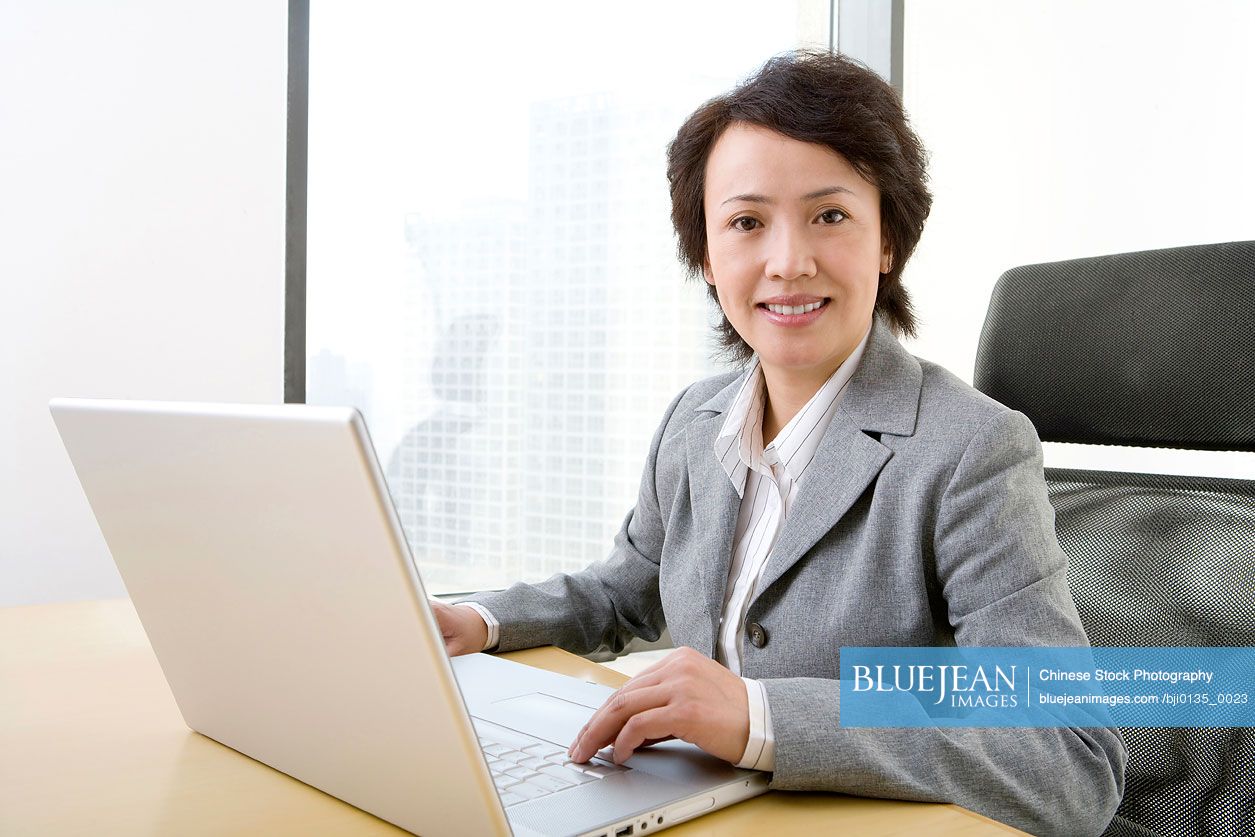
(750, 197)
(825, 192)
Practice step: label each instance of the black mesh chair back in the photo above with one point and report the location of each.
(1153, 349)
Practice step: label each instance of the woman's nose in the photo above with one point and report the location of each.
(789, 254)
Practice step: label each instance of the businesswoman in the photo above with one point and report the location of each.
(836, 491)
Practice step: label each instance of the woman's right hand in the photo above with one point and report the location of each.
(463, 629)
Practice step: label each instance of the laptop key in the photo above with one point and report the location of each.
(495, 749)
(569, 774)
(548, 782)
(533, 763)
(508, 799)
(514, 757)
(600, 771)
(501, 735)
(528, 790)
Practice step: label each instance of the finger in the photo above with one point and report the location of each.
(649, 742)
(655, 675)
(648, 726)
(614, 696)
(606, 722)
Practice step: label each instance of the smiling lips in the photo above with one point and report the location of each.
(794, 311)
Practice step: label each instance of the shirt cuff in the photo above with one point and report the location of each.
(760, 749)
(494, 627)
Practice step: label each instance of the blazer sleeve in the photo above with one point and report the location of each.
(606, 605)
(1003, 577)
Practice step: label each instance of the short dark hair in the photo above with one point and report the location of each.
(831, 100)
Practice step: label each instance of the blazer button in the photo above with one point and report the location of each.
(758, 636)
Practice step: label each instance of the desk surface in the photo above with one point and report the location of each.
(91, 742)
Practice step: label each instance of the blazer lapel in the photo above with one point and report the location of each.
(844, 465)
(882, 397)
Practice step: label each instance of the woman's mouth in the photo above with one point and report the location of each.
(794, 315)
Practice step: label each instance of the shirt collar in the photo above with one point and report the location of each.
(739, 445)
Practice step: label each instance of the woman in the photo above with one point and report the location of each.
(838, 492)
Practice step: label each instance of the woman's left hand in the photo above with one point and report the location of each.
(685, 695)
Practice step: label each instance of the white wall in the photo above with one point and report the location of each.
(1068, 128)
(142, 154)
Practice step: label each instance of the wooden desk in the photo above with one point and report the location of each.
(91, 742)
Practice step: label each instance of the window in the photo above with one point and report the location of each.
(491, 269)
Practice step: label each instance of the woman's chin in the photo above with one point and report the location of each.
(800, 364)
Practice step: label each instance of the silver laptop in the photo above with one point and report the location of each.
(264, 557)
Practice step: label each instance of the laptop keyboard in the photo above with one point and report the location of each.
(525, 767)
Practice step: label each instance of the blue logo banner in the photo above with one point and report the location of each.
(1047, 687)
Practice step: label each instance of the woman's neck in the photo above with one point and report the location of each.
(789, 388)
(786, 395)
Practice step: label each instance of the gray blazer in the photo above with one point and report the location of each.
(923, 520)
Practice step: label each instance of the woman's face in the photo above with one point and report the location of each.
(792, 224)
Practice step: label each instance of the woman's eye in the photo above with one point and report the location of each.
(832, 216)
(745, 223)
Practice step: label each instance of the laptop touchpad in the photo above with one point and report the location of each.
(541, 715)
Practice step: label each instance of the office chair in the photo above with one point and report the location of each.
(1150, 349)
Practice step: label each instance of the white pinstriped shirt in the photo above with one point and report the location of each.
(767, 480)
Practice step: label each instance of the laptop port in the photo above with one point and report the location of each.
(624, 831)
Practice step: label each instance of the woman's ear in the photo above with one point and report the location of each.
(886, 259)
(707, 273)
